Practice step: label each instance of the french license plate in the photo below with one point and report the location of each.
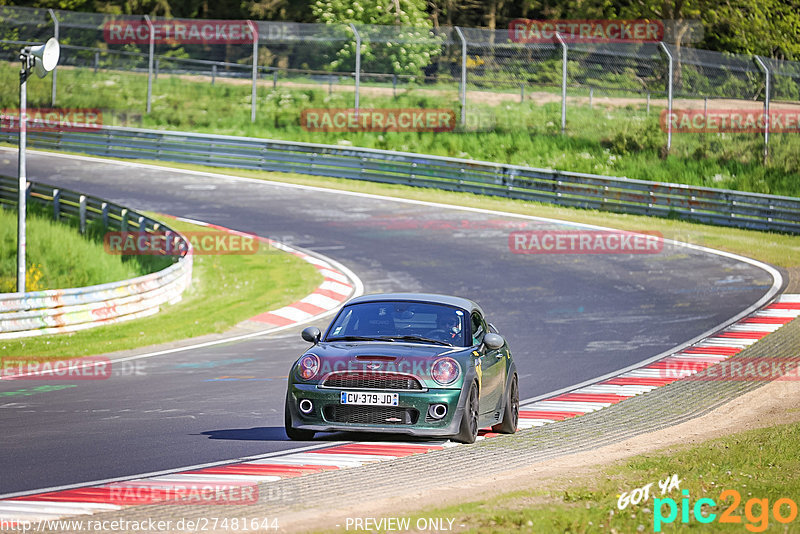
(370, 399)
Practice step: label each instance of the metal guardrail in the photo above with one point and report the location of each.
(38, 313)
(702, 204)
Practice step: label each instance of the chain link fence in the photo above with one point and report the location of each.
(492, 81)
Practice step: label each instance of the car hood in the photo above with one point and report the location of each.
(363, 349)
(380, 357)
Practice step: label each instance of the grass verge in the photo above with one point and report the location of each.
(57, 256)
(758, 464)
(618, 140)
(225, 290)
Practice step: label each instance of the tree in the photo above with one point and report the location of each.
(406, 47)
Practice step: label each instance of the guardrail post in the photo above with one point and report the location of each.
(104, 212)
(563, 82)
(767, 80)
(56, 204)
(463, 84)
(254, 31)
(123, 222)
(82, 213)
(150, 61)
(55, 70)
(140, 224)
(669, 93)
(358, 64)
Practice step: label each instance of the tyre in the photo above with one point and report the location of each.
(295, 434)
(511, 412)
(468, 430)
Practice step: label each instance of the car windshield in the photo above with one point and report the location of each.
(418, 322)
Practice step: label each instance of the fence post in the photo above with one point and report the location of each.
(56, 204)
(669, 93)
(55, 70)
(563, 82)
(767, 80)
(254, 31)
(358, 63)
(150, 61)
(213, 73)
(591, 98)
(82, 213)
(463, 87)
(96, 61)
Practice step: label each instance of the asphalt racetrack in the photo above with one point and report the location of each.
(567, 318)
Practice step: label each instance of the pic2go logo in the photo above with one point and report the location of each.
(756, 511)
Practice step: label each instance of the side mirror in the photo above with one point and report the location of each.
(493, 341)
(311, 334)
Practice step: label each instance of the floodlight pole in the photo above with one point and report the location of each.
(21, 170)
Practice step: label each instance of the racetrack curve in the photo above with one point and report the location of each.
(568, 318)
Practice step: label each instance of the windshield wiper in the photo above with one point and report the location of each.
(417, 338)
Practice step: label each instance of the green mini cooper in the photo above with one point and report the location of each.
(418, 364)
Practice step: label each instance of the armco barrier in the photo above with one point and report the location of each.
(67, 310)
(701, 204)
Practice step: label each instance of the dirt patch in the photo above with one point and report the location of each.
(493, 98)
(764, 407)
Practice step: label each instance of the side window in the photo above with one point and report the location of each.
(478, 329)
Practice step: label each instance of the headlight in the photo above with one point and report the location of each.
(445, 371)
(308, 366)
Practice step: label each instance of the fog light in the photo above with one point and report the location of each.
(306, 406)
(437, 411)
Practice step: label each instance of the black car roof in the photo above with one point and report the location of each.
(449, 300)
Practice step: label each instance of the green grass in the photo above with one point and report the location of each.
(620, 141)
(225, 290)
(57, 256)
(758, 464)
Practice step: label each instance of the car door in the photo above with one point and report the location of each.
(492, 367)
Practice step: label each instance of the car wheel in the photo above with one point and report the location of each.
(295, 434)
(469, 421)
(511, 413)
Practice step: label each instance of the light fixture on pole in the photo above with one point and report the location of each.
(42, 59)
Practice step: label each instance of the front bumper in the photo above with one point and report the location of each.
(326, 402)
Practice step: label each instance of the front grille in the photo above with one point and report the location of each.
(371, 380)
(371, 415)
